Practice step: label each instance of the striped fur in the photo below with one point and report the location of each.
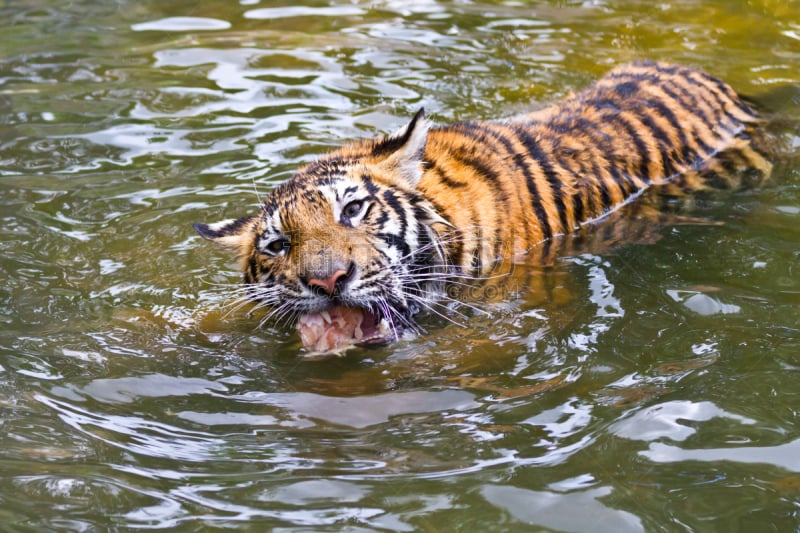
(399, 216)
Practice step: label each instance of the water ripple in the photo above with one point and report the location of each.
(636, 388)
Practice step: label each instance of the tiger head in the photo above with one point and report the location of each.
(348, 237)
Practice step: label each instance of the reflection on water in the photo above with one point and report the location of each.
(569, 511)
(664, 420)
(784, 456)
(647, 386)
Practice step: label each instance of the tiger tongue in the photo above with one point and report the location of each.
(335, 328)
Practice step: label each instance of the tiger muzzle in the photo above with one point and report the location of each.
(330, 285)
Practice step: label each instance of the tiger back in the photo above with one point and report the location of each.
(510, 187)
(359, 241)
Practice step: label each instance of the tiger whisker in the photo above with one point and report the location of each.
(244, 300)
(440, 280)
(387, 313)
(236, 305)
(430, 307)
(459, 275)
(277, 314)
(468, 305)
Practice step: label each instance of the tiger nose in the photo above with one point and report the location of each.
(333, 284)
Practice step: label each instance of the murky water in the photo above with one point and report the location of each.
(653, 386)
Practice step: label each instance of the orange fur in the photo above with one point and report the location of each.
(404, 214)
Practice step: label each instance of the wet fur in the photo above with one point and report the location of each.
(451, 201)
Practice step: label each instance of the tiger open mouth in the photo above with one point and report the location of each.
(340, 327)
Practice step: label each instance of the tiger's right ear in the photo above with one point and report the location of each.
(404, 150)
(230, 233)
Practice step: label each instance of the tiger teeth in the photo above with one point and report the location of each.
(326, 316)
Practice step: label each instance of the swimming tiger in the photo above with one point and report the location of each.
(362, 239)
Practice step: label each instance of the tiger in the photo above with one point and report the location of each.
(359, 242)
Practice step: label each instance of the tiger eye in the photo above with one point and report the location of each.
(352, 209)
(277, 246)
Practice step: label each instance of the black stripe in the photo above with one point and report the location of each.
(444, 177)
(577, 206)
(625, 75)
(730, 95)
(456, 252)
(550, 175)
(419, 211)
(536, 200)
(395, 241)
(619, 176)
(425, 254)
(476, 263)
(600, 140)
(626, 88)
(664, 143)
(601, 187)
(383, 217)
(458, 249)
(714, 101)
(701, 89)
(565, 160)
(722, 101)
(490, 176)
(251, 275)
(693, 108)
(500, 137)
(392, 201)
(641, 148)
(667, 68)
(233, 227)
(369, 184)
(683, 143)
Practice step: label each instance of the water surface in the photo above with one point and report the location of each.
(651, 386)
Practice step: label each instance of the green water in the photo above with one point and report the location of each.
(655, 386)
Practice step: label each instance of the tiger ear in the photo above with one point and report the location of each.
(404, 150)
(230, 233)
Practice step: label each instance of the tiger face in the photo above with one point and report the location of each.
(347, 245)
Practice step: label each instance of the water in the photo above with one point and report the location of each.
(651, 386)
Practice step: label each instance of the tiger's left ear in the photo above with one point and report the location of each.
(232, 233)
(404, 150)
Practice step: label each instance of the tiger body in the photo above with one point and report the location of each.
(379, 226)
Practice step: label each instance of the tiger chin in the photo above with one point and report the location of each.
(360, 241)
